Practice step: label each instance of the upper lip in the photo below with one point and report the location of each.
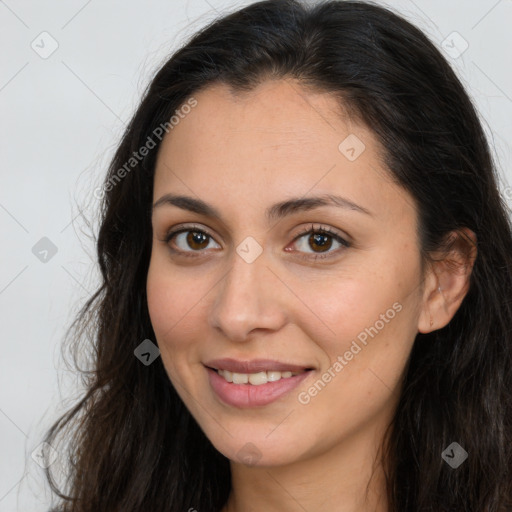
(254, 365)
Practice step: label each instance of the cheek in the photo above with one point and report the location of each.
(161, 301)
(172, 301)
(342, 307)
(366, 346)
(365, 315)
(168, 313)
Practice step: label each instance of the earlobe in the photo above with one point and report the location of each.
(429, 319)
(448, 281)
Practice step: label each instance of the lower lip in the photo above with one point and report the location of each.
(249, 395)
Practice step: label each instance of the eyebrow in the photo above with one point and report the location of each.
(274, 212)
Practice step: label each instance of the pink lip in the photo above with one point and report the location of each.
(254, 366)
(248, 395)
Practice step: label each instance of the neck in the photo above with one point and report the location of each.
(346, 478)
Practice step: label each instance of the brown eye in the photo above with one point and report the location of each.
(196, 240)
(188, 240)
(319, 241)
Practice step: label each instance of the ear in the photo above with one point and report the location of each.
(447, 279)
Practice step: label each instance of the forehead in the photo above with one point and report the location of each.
(278, 116)
(278, 139)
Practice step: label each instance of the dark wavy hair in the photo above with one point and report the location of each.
(132, 443)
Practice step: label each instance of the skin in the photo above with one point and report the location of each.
(241, 154)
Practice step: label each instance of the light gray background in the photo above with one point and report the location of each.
(61, 117)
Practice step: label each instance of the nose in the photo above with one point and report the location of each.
(250, 297)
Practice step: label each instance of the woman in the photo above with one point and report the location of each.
(242, 361)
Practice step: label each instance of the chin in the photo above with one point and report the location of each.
(257, 451)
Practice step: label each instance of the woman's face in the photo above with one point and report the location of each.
(246, 279)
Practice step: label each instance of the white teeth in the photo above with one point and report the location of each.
(273, 376)
(227, 375)
(240, 378)
(256, 379)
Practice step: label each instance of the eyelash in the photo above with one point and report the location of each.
(306, 231)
